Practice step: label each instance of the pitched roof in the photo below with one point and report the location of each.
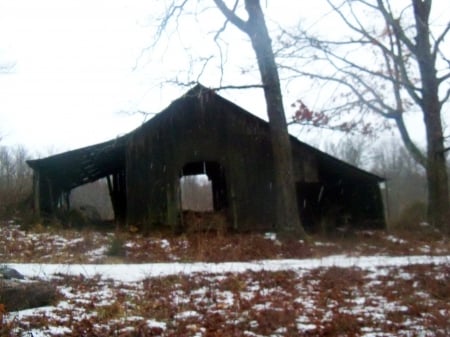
(77, 167)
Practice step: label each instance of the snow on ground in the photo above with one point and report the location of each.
(138, 272)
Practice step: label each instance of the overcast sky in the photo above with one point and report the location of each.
(80, 67)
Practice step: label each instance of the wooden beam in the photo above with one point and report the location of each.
(36, 194)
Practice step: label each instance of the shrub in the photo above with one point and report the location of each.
(412, 216)
(117, 246)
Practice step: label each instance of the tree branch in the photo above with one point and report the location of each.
(174, 10)
(384, 110)
(216, 41)
(443, 78)
(221, 30)
(367, 39)
(218, 88)
(396, 25)
(446, 97)
(397, 58)
(231, 16)
(440, 39)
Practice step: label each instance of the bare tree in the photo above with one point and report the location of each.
(406, 181)
(353, 150)
(15, 177)
(255, 28)
(390, 71)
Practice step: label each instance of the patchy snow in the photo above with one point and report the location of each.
(165, 244)
(243, 292)
(394, 239)
(305, 326)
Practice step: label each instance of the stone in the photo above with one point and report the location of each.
(10, 273)
(17, 293)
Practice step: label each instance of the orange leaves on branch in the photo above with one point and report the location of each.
(305, 115)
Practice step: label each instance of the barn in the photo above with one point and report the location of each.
(203, 133)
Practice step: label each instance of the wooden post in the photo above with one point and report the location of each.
(36, 194)
(173, 207)
(51, 197)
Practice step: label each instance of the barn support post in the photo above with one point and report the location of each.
(173, 204)
(50, 196)
(181, 221)
(111, 195)
(36, 194)
(233, 208)
(385, 196)
(117, 190)
(66, 199)
(380, 208)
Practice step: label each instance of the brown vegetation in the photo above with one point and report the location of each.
(40, 244)
(322, 302)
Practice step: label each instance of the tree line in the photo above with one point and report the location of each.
(15, 179)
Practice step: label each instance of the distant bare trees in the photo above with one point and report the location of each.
(351, 150)
(406, 183)
(15, 177)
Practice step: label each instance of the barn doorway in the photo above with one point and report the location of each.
(196, 193)
(203, 196)
(93, 201)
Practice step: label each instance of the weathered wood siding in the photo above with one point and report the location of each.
(194, 130)
(203, 127)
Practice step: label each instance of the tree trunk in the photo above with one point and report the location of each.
(287, 214)
(438, 198)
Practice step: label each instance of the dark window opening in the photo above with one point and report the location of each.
(310, 197)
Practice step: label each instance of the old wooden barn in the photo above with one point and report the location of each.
(201, 132)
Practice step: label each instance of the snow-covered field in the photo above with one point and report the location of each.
(341, 292)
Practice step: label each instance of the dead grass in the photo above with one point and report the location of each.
(53, 245)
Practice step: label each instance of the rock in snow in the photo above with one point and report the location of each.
(16, 293)
(7, 273)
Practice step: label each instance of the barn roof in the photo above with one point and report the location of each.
(77, 167)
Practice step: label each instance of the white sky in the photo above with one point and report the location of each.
(79, 67)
